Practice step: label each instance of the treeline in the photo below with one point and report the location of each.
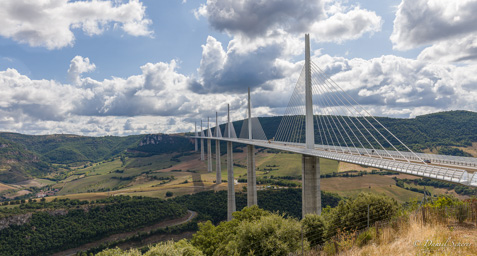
(213, 205)
(66, 148)
(459, 189)
(56, 230)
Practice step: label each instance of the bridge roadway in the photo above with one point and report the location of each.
(440, 170)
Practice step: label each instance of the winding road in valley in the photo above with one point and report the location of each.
(168, 223)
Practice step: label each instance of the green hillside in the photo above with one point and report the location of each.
(452, 128)
(19, 164)
(65, 148)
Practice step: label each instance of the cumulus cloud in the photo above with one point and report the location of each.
(326, 20)
(343, 26)
(26, 99)
(78, 66)
(422, 22)
(259, 18)
(49, 23)
(266, 36)
(235, 71)
(453, 50)
(396, 86)
(159, 98)
(155, 100)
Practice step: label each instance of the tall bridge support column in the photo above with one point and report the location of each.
(311, 193)
(201, 142)
(209, 155)
(195, 140)
(218, 165)
(202, 149)
(251, 177)
(230, 182)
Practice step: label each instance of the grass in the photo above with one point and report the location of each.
(5, 187)
(86, 182)
(382, 184)
(103, 176)
(412, 237)
(288, 164)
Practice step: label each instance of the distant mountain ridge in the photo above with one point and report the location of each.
(450, 128)
(25, 156)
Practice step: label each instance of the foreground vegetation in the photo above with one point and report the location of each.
(338, 231)
(254, 231)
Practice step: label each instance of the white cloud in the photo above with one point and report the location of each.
(49, 23)
(423, 22)
(236, 70)
(454, 50)
(266, 36)
(78, 66)
(343, 26)
(326, 20)
(260, 18)
(158, 99)
(392, 85)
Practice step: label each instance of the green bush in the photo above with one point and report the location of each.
(251, 231)
(352, 214)
(314, 229)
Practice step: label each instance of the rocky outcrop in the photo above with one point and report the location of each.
(153, 139)
(15, 220)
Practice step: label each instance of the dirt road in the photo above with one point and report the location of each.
(168, 223)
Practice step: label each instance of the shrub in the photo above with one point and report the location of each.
(314, 229)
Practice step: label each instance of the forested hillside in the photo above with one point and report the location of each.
(65, 148)
(71, 222)
(18, 164)
(452, 128)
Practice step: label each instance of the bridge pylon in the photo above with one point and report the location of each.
(209, 147)
(311, 194)
(201, 142)
(251, 174)
(231, 207)
(218, 165)
(196, 146)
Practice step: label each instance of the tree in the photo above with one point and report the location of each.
(252, 230)
(314, 229)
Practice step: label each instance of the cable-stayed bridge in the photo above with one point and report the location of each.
(322, 121)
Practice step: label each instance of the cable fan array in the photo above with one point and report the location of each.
(341, 124)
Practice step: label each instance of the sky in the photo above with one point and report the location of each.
(99, 68)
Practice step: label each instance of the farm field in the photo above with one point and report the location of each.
(155, 175)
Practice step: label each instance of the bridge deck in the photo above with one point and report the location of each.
(439, 168)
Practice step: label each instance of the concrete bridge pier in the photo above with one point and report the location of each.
(218, 165)
(196, 146)
(209, 155)
(209, 148)
(230, 182)
(251, 177)
(201, 142)
(311, 193)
